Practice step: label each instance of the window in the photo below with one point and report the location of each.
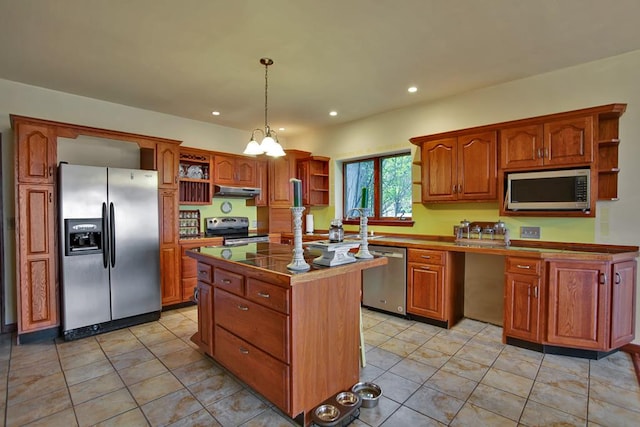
(388, 183)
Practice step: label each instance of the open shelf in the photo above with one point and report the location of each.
(195, 177)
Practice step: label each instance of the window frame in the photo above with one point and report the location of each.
(375, 219)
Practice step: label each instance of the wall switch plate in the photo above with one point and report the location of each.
(530, 232)
(254, 223)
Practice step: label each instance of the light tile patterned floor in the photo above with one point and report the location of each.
(151, 374)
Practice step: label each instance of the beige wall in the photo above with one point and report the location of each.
(602, 82)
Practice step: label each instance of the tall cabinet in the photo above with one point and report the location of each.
(36, 276)
(37, 213)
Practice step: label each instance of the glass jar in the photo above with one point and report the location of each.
(336, 232)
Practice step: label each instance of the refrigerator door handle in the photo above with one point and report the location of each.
(105, 241)
(112, 235)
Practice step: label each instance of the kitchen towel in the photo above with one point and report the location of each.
(309, 226)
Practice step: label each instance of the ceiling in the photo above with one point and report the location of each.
(357, 57)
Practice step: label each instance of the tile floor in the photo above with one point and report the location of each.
(151, 375)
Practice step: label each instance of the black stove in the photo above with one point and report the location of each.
(233, 229)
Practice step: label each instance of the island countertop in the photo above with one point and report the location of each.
(273, 258)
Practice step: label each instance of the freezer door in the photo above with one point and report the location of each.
(134, 258)
(84, 278)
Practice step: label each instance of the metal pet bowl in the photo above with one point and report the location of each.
(369, 393)
(347, 398)
(327, 413)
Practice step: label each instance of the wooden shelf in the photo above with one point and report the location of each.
(195, 191)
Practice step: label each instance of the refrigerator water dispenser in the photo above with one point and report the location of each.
(83, 236)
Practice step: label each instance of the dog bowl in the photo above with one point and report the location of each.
(347, 398)
(369, 393)
(327, 413)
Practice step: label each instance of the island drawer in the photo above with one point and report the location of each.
(425, 256)
(229, 281)
(204, 272)
(269, 295)
(245, 360)
(266, 329)
(523, 265)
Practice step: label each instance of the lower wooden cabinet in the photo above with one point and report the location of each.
(204, 298)
(524, 297)
(434, 285)
(37, 290)
(591, 304)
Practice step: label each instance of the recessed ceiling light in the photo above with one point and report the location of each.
(412, 89)
(215, 113)
(281, 129)
(333, 113)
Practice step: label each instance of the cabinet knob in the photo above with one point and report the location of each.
(196, 294)
(50, 170)
(453, 189)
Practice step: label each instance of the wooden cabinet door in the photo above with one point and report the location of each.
(578, 304)
(36, 151)
(623, 300)
(425, 290)
(522, 307)
(205, 317)
(245, 172)
(224, 170)
(439, 170)
(262, 183)
(477, 172)
(281, 170)
(37, 289)
(568, 142)
(169, 248)
(521, 147)
(168, 162)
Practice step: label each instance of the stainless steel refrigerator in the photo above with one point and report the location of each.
(109, 248)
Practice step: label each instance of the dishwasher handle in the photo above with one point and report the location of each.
(387, 254)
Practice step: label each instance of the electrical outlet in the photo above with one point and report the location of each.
(530, 232)
(254, 223)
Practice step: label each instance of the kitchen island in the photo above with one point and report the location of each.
(291, 336)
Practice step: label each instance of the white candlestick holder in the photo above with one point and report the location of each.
(363, 252)
(298, 263)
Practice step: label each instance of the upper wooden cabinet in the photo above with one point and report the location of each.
(36, 152)
(262, 182)
(230, 170)
(314, 173)
(281, 170)
(167, 164)
(461, 168)
(567, 142)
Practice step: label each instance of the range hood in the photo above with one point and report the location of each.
(239, 192)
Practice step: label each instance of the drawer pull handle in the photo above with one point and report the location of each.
(264, 294)
(526, 267)
(424, 267)
(243, 350)
(426, 256)
(202, 271)
(618, 278)
(226, 281)
(243, 307)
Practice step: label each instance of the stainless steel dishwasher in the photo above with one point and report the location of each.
(385, 287)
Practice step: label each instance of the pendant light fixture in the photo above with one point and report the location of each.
(269, 145)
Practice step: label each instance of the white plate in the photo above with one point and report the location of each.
(195, 171)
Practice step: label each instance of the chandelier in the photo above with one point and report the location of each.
(269, 145)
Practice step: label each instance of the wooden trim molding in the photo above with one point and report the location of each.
(634, 351)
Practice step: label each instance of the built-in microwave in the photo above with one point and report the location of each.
(567, 189)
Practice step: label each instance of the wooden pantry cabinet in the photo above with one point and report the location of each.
(461, 168)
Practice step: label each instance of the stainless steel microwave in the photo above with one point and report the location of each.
(549, 190)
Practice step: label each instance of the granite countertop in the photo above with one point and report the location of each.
(275, 257)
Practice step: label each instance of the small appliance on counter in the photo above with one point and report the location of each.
(233, 229)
